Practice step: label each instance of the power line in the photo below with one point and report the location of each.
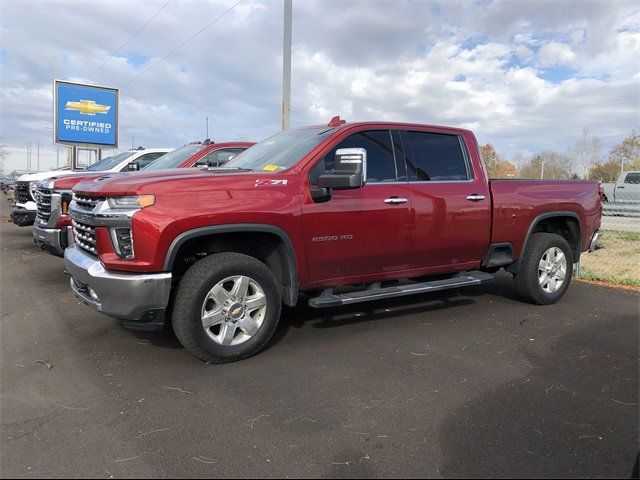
(182, 44)
(130, 38)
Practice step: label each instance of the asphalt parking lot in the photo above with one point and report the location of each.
(473, 383)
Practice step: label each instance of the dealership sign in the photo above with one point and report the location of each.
(85, 114)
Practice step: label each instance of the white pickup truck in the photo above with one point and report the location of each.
(625, 190)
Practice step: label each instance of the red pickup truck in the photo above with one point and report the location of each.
(342, 212)
(53, 196)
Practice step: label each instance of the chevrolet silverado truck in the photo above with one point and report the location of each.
(344, 213)
(51, 229)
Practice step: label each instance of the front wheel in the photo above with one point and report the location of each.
(227, 307)
(546, 269)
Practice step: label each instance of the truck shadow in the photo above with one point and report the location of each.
(558, 418)
(301, 315)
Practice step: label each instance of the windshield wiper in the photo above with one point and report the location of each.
(229, 169)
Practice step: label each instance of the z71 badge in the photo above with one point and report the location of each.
(275, 183)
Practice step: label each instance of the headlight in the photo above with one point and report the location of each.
(33, 187)
(65, 200)
(134, 201)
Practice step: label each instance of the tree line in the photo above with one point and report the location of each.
(585, 159)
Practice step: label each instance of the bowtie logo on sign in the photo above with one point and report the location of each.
(87, 107)
(85, 116)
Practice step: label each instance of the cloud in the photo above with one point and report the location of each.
(555, 54)
(524, 75)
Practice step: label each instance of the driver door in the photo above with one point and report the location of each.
(364, 233)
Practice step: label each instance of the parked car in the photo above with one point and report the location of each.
(6, 183)
(52, 225)
(625, 190)
(24, 211)
(345, 213)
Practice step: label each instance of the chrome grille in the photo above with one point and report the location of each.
(43, 199)
(85, 236)
(22, 194)
(87, 203)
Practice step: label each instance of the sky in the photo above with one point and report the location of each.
(526, 76)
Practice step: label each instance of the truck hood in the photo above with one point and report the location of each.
(32, 177)
(173, 180)
(67, 182)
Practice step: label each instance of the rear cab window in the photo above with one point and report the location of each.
(633, 178)
(436, 157)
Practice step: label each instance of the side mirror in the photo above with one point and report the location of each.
(350, 170)
(133, 166)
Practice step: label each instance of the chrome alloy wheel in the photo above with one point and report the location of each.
(233, 310)
(552, 270)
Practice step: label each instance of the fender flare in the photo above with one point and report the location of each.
(290, 291)
(543, 216)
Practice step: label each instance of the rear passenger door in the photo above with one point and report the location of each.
(451, 202)
(363, 232)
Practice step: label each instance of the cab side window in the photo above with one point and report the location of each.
(435, 157)
(145, 160)
(381, 164)
(633, 178)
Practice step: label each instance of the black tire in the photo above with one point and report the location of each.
(526, 279)
(190, 296)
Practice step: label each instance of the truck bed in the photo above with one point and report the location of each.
(517, 203)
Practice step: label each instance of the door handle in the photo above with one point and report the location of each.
(395, 200)
(475, 198)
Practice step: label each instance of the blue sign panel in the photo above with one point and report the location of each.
(85, 114)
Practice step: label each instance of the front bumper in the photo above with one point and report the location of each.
(53, 240)
(22, 217)
(134, 298)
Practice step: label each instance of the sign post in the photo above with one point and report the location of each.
(85, 117)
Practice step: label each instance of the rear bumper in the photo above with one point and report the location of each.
(54, 240)
(135, 298)
(22, 217)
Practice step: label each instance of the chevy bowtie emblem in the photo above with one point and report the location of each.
(87, 107)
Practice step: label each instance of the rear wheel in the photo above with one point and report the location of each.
(227, 307)
(546, 269)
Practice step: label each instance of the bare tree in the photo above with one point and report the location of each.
(587, 151)
(547, 164)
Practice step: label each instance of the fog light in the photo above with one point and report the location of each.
(122, 242)
(92, 294)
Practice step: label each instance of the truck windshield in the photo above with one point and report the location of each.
(109, 162)
(281, 151)
(175, 158)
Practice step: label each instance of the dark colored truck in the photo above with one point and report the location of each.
(52, 226)
(344, 213)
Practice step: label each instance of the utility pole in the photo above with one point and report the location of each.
(542, 171)
(286, 66)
